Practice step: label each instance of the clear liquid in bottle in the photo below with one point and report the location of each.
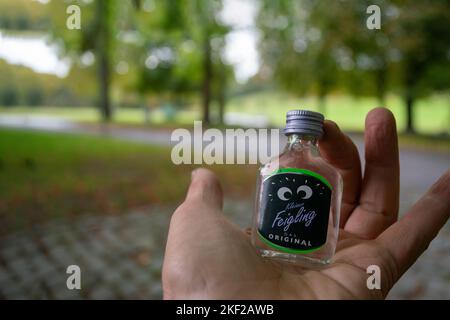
(298, 198)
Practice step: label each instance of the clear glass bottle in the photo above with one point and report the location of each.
(298, 198)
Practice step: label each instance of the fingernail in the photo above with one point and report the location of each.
(193, 172)
(334, 124)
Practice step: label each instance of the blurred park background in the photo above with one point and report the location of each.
(86, 115)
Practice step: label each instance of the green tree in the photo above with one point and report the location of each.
(9, 95)
(409, 52)
(165, 58)
(321, 45)
(34, 96)
(100, 26)
(23, 15)
(366, 54)
(299, 43)
(183, 43)
(423, 42)
(35, 88)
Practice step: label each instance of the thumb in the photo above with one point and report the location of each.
(204, 189)
(193, 226)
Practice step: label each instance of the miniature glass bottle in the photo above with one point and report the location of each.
(298, 198)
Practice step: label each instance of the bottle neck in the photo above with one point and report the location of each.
(301, 141)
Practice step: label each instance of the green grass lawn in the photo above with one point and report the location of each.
(432, 115)
(46, 175)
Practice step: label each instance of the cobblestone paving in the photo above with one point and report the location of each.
(121, 257)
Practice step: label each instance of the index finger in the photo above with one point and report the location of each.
(340, 151)
(379, 200)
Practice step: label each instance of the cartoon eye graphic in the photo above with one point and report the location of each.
(283, 192)
(307, 190)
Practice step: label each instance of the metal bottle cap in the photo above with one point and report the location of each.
(304, 122)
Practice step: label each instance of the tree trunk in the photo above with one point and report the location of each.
(409, 101)
(207, 77)
(221, 93)
(103, 64)
(221, 102)
(103, 74)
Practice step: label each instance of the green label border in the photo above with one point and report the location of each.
(301, 171)
(284, 249)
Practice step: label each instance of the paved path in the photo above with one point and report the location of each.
(121, 256)
(57, 124)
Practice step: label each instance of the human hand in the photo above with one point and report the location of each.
(208, 257)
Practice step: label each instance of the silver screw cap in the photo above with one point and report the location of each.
(304, 122)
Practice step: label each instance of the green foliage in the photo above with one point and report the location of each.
(34, 97)
(9, 95)
(22, 85)
(23, 15)
(98, 37)
(161, 45)
(424, 45)
(327, 44)
(299, 38)
(174, 33)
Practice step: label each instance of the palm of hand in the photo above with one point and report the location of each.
(238, 272)
(209, 257)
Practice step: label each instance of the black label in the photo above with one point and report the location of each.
(294, 210)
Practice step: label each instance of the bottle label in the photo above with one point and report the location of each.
(294, 210)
